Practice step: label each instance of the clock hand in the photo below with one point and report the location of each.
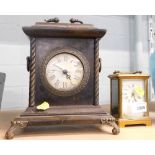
(66, 73)
(69, 77)
(54, 70)
(58, 67)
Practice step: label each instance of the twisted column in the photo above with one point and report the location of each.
(96, 71)
(32, 73)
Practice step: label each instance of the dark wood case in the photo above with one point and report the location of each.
(48, 36)
(43, 47)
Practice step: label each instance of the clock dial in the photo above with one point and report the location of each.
(133, 98)
(64, 72)
(133, 91)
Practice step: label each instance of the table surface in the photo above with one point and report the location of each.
(77, 132)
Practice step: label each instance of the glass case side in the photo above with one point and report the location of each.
(114, 98)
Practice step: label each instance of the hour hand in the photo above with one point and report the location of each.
(68, 76)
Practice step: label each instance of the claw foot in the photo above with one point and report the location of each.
(111, 122)
(15, 125)
(115, 131)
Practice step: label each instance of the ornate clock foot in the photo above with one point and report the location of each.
(15, 125)
(115, 129)
(112, 123)
(10, 132)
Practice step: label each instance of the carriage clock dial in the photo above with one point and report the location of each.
(133, 98)
(133, 91)
(65, 71)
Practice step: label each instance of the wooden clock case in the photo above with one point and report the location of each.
(80, 108)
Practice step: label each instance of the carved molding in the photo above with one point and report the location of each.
(97, 67)
(111, 122)
(32, 73)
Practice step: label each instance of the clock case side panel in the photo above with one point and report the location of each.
(114, 99)
(43, 48)
(120, 97)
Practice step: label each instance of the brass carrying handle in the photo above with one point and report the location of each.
(100, 64)
(54, 20)
(73, 20)
(136, 72)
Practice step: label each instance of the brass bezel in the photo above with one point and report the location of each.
(77, 54)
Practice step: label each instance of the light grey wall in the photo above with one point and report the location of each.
(140, 35)
(115, 49)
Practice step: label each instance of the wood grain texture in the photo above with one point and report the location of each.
(64, 30)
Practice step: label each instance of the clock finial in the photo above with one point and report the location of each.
(73, 20)
(54, 20)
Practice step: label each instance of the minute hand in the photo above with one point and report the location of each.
(58, 67)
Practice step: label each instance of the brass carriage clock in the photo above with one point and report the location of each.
(129, 98)
(64, 69)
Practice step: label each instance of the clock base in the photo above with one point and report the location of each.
(125, 122)
(73, 119)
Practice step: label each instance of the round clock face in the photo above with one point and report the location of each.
(65, 71)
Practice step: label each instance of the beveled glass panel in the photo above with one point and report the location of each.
(114, 97)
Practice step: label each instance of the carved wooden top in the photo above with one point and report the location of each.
(44, 29)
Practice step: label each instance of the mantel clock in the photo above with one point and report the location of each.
(129, 98)
(64, 70)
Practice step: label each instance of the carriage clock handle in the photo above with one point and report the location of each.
(136, 72)
(73, 20)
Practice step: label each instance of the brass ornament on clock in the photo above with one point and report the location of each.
(65, 71)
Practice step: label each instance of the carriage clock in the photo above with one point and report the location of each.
(129, 98)
(64, 70)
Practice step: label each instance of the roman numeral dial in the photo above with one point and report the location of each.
(64, 72)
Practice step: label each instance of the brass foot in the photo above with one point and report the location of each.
(15, 125)
(112, 123)
(115, 129)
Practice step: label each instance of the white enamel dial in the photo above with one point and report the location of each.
(133, 91)
(64, 72)
(133, 98)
